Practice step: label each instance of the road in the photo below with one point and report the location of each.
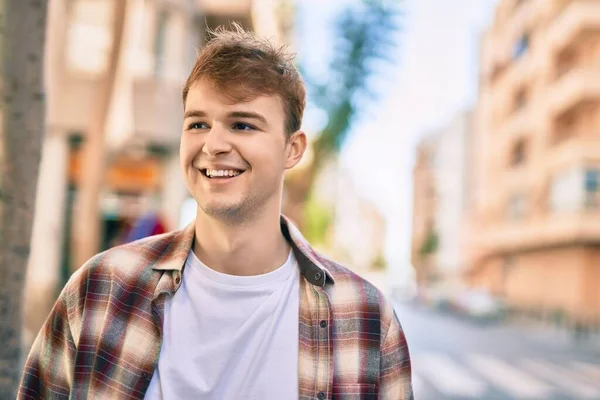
(453, 358)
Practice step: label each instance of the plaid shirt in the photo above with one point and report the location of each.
(102, 339)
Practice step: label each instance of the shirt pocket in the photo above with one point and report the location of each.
(357, 391)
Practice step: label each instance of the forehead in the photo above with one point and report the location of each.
(206, 97)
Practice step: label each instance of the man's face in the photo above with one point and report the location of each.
(233, 156)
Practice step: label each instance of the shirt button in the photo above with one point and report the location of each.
(323, 324)
(321, 396)
(318, 276)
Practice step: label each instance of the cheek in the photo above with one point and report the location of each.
(269, 155)
(270, 163)
(188, 150)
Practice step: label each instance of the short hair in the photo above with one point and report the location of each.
(243, 66)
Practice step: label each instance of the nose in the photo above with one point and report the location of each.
(217, 142)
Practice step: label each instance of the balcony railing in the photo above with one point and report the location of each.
(574, 87)
(571, 19)
(553, 231)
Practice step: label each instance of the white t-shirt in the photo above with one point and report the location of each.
(230, 337)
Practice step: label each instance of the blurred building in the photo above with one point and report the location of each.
(439, 201)
(424, 236)
(142, 174)
(357, 229)
(535, 202)
(356, 233)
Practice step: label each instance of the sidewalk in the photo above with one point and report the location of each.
(561, 336)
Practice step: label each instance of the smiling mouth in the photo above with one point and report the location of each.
(221, 173)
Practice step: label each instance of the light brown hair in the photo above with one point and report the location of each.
(243, 66)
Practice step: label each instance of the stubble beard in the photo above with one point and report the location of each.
(241, 210)
(237, 213)
(231, 214)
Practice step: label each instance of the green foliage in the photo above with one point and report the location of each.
(318, 219)
(430, 244)
(379, 263)
(364, 38)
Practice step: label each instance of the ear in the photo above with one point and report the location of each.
(295, 148)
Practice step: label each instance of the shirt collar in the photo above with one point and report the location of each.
(175, 253)
(309, 261)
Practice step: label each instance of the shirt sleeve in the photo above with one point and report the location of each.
(395, 369)
(48, 371)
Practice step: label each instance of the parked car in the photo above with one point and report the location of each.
(479, 305)
(438, 297)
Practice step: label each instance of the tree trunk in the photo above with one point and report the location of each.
(86, 224)
(22, 32)
(43, 268)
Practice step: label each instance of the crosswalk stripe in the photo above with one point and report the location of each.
(563, 378)
(590, 370)
(447, 376)
(510, 379)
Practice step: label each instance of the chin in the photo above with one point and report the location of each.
(223, 211)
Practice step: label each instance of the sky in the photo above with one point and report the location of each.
(433, 78)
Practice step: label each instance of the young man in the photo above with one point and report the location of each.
(236, 305)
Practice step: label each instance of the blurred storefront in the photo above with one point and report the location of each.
(141, 177)
(534, 234)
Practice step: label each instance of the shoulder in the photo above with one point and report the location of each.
(350, 283)
(127, 264)
(132, 257)
(353, 294)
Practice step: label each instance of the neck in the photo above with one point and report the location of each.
(253, 247)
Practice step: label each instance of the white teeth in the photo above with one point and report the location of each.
(221, 172)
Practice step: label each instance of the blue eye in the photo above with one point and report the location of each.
(240, 126)
(197, 125)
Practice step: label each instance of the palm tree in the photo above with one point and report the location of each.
(22, 36)
(365, 36)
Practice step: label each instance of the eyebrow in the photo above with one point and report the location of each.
(247, 114)
(233, 114)
(194, 113)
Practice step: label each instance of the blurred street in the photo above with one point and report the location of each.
(482, 117)
(454, 358)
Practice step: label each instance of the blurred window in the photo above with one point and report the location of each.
(160, 38)
(89, 36)
(565, 126)
(518, 154)
(592, 188)
(567, 191)
(520, 99)
(565, 62)
(497, 70)
(521, 46)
